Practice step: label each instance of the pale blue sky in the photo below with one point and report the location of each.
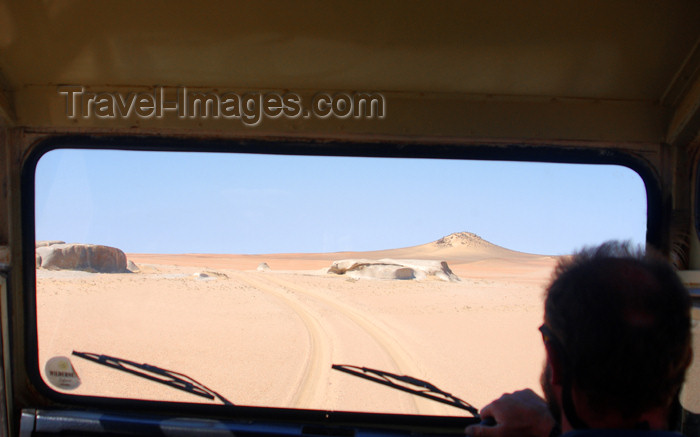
(173, 202)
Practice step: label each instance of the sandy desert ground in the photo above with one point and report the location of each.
(269, 338)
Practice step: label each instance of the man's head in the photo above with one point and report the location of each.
(617, 325)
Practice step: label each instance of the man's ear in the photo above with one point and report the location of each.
(554, 360)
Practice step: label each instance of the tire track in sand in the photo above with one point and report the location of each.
(312, 382)
(381, 334)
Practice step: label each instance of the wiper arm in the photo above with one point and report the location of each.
(408, 384)
(157, 374)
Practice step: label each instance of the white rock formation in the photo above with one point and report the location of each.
(394, 269)
(48, 243)
(132, 267)
(86, 257)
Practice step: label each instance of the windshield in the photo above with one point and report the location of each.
(254, 274)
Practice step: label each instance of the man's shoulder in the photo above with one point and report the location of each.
(619, 433)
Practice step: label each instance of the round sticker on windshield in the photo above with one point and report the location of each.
(61, 373)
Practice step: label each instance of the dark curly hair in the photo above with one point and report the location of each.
(623, 318)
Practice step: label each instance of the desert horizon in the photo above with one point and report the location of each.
(459, 250)
(263, 330)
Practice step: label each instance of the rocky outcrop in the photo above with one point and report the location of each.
(86, 257)
(263, 267)
(133, 268)
(393, 269)
(48, 243)
(463, 239)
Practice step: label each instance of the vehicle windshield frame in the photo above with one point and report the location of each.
(656, 215)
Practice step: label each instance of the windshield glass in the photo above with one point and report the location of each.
(254, 274)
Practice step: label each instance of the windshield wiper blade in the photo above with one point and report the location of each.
(157, 374)
(407, 384)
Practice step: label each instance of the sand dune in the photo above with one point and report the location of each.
(460, 250)
(269, 338)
